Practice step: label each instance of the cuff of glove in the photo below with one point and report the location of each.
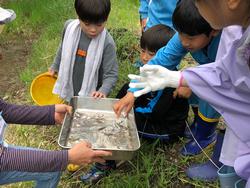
(181, 80)
(175, 79)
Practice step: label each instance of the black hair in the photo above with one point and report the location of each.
(93, 11)
(187, 19)
(156, 37)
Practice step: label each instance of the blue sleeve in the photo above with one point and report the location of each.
(143, 10)
(170, 55)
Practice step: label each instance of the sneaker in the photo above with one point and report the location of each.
(97, 172)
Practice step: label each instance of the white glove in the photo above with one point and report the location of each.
(153, 78)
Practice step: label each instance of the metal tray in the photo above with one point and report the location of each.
(94, 120)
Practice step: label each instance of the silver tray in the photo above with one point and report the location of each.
(94, 120)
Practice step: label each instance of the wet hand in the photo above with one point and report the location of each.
(82, 154)
(182, 92)
(52, 72)
(124, 104)
(60, 111)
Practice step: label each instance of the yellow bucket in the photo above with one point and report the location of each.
(41, 90)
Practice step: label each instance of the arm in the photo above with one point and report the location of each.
(170, 55)
(143, 9)
(56, 64)
(110, 68)
(22, 114)
(32, 160)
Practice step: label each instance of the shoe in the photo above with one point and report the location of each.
(97, 172)
(205, 135)
(205, 172)
(208, 171)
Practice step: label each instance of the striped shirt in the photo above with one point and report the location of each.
(21, 159)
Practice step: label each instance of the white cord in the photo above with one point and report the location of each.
(201, 147)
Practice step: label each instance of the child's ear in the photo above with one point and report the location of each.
(214, 33)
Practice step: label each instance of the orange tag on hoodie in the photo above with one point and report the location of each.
(81, 53)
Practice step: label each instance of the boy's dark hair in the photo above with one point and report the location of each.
(187, 19)
(93, 11)
(156, 37)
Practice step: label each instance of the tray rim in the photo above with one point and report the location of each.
(107, 149)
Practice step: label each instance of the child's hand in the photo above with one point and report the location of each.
(98, 94)
(52, 72)
(60, 111)
(82, 154)
(127, 102)
(153, 78)
(182, 92)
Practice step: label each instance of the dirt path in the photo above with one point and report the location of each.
(13, 61)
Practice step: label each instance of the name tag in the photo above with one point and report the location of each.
(81, 53)
(3, 125)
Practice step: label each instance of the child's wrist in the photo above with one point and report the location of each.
(180, 80)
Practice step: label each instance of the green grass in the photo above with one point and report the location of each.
(155, 165)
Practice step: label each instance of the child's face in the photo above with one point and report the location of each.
(194, 43)
(221, 13)
(146, 55)
(92, 30)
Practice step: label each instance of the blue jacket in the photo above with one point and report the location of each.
(170, 55)
(157, 11)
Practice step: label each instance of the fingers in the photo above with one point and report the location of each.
(52, 72)
(129, 107)
(138, 85)
(94, 94)
(116, 108)
(120, 112)
(63, 108)
(98, 95)
(175, 93)
(69, 109)
(98, 160)
(101, 153)
(149, 68)
(136, 77)
(142, 92)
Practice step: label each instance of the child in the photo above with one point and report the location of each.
(33, 164)
(225, 84)
(86, 58)
(153, 12)
(157, 115)
(197, 37)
